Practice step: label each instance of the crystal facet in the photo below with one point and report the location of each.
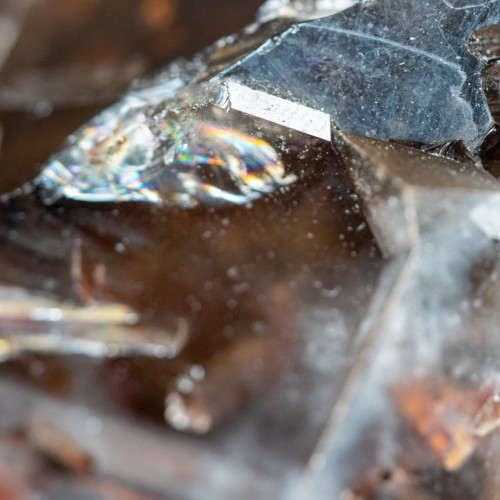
(405, 64)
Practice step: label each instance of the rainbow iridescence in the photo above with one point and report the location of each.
(146, 149)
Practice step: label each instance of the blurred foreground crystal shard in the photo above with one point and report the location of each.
(288, 246)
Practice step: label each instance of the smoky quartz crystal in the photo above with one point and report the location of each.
(269, 271)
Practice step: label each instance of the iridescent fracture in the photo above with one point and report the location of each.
(160, 151)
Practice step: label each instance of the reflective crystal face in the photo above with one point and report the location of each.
(302, 9)
(407, 66)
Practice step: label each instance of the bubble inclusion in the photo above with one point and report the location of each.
(164, 151)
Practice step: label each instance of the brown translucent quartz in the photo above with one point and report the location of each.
(316, 348)
(273, 294)
(243, 277)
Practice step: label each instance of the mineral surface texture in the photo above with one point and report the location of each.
(271, 271)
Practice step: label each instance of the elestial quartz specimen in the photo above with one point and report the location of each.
(289, 246)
